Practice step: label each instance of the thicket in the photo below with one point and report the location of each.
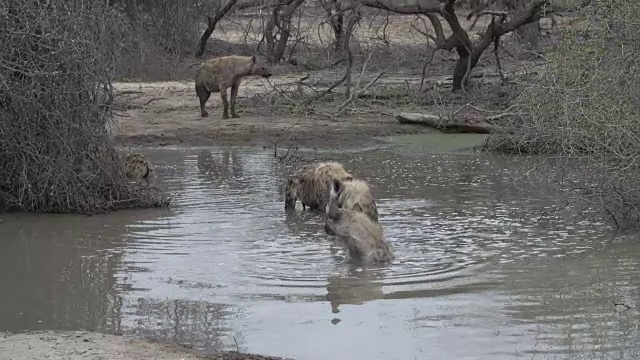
(583, 112)
(56, 66)
(158, 35)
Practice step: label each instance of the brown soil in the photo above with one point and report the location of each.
(167, 113)
(83, 345)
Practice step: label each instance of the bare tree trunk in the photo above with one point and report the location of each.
(212, 23)
(278, 29)
(335, 18)
(459, 40)
(528, 33)
(353, 20)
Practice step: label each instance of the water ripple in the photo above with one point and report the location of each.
(474, 277)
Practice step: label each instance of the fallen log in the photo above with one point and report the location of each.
(445, 125)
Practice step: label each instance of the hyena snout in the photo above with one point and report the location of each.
(289, 204)
(328, 229)
(263, 71)
(290, 195)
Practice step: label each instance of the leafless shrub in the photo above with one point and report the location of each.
(279, 27)
(158, 36)
(55, 93)
(174, 25)
(585, 109)
(335, 18)
(292, 156)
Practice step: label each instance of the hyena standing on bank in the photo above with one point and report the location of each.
(363, 238)
(218, 74)
(138, 168)
(351, 193)
(311, 184)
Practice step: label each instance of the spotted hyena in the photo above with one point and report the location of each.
(350, 193)
(138, 168)
(362, 237)
(218, 74)
(311, 184)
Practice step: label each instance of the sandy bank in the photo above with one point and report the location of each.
(84, 345)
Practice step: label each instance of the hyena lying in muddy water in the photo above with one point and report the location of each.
(138, 168)
(351, 193)
(363, 238)
(218, 74)
(311, 184)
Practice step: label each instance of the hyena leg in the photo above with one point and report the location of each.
(234, 94)
(225, 102)
(203, 95)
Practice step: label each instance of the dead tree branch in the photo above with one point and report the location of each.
(468, 53)
(335, 18)
(278, 29)
(212, 23)
(354, 18)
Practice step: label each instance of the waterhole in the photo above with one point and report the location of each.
(225, 268)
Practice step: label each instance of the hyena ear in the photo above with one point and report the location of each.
(253, 59)
(357, 207)
(336, 185)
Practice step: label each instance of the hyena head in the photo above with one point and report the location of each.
(337, 188)
(291, 194)
(338, 219)
(333, 217)
(260, 69)
(138, 167)
(334, 214)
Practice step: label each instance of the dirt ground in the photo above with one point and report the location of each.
(167, 113)
(83, 345)
(273, 112)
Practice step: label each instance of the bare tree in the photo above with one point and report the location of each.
(278, 29)
(468, 52)
(352, 16)
(335, 18)
(528, 33)
(212, 23)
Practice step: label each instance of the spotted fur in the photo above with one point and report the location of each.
(311, 184)
(350, 193)
(138, 168)
(361, 236)
(219, 74)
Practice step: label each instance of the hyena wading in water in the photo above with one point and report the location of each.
(362, 237)
(218, 74)
(351, 193)
(311, 183)
(138, 168)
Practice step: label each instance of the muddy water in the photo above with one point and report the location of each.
(226, 269)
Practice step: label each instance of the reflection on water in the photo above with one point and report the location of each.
(226, 268)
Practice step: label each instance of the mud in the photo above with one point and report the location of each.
(84, 345)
